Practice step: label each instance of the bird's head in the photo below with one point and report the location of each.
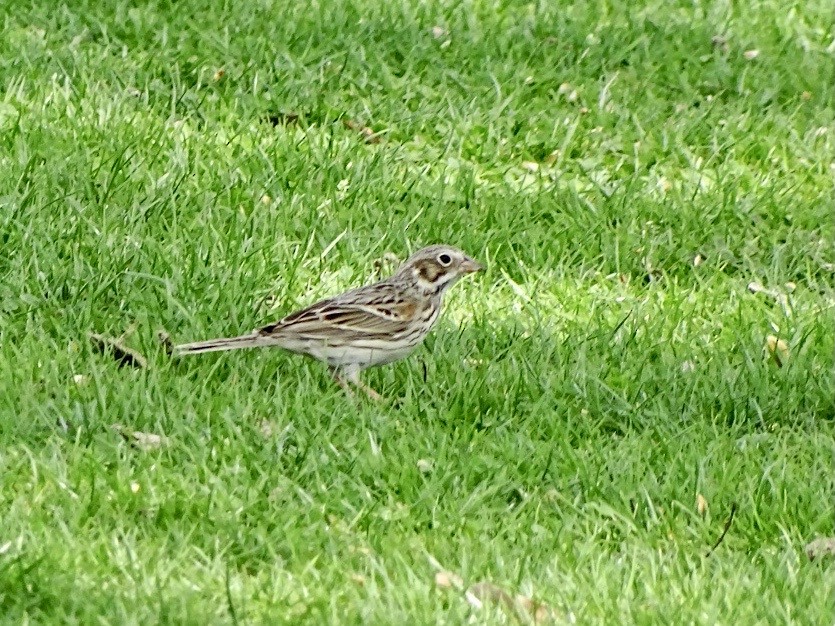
(436, 268)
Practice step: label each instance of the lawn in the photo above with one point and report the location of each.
(650, 185)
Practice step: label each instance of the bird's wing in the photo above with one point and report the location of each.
(367, 312)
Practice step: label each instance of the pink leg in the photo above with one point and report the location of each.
(369, 391)
(351, 374)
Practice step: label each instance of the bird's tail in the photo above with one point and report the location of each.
(222, 343)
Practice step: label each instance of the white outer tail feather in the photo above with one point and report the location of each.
(223, 343)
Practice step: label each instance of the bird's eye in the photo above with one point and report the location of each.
(444, 259)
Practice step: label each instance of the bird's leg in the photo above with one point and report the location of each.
(369, 391)
(351, 374)
(342, 383)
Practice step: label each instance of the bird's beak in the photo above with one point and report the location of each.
(468, 266)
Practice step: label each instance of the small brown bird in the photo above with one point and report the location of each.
(364, 327)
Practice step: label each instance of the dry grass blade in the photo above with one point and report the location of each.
(140, 440)
(165, 340)
(701, 505)
(724, 530)
(121, 354)
(448, 580)
(720, 42)
(755, 287)
(522, 606)
(778, 349)
(481, 593)
(823, 546)
(368, 134)
(386, 264)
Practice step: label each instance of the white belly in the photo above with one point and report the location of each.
(368, 354)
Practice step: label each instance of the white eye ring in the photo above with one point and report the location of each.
(444, 259)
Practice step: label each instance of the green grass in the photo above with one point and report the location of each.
(574, 400)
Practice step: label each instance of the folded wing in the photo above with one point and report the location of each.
(364, 313)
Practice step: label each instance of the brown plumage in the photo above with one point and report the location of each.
(364, 327)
